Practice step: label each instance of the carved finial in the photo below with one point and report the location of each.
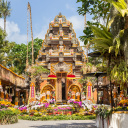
(60, 14)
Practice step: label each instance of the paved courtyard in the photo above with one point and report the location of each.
(52, 124)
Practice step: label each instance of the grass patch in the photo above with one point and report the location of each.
(58, 117)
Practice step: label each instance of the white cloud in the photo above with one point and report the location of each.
(69, 7)
(77, 21)
(13, 32)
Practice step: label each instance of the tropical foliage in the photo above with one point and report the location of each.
(14, 55)
(97, 8)
(103, 111)
(110, 40)
(38, 70)
(8, 114)
(5, 11)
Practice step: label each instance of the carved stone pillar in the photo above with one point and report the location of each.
(59, 90)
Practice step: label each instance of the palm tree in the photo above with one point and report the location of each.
(5, 11)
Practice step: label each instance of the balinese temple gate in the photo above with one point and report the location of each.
(62, 55)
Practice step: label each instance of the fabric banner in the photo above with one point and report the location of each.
(32, 91)
(89, 91)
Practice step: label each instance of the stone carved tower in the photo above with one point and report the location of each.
(62, 55)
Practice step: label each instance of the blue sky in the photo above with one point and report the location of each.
(43, 12)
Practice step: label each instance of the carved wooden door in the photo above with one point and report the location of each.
(61, 87)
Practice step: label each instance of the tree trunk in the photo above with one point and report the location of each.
(29, 8)
(4, 24)
(85, 35)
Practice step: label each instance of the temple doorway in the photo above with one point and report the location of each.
(63, 91)
(61, 86)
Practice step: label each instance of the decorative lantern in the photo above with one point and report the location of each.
(71, 76)
(52, 77)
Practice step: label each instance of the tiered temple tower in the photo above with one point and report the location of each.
(62, 55)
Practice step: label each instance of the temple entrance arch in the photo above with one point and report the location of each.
(47, 93)
(74, 92)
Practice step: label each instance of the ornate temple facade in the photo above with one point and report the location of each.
(62, 55)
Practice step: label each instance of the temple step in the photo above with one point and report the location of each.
(62, 103)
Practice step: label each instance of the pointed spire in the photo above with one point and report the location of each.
(60, 14)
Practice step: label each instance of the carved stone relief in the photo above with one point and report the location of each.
(61, 43)
(60, 66)
(61, 59)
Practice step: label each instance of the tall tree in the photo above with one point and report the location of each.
(17, 55)
(3, 47)
(5, 10)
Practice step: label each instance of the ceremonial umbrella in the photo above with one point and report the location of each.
(71, 76)
(52, 77)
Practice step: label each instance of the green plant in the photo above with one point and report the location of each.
(103, 111)
(8, 116)
(58, 117)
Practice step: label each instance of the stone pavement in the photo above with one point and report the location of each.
(52, 124)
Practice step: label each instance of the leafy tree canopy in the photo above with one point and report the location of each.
(17, 54)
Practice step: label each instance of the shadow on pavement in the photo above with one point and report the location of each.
(72, 125)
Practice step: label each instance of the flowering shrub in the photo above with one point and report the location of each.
(31, 112)
(123, 102)
(5, 104)
(8, 114)
(52, 101)
(23, 110)
(76, 105)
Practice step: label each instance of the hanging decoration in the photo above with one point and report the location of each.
(32, 92)
(89, 90)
